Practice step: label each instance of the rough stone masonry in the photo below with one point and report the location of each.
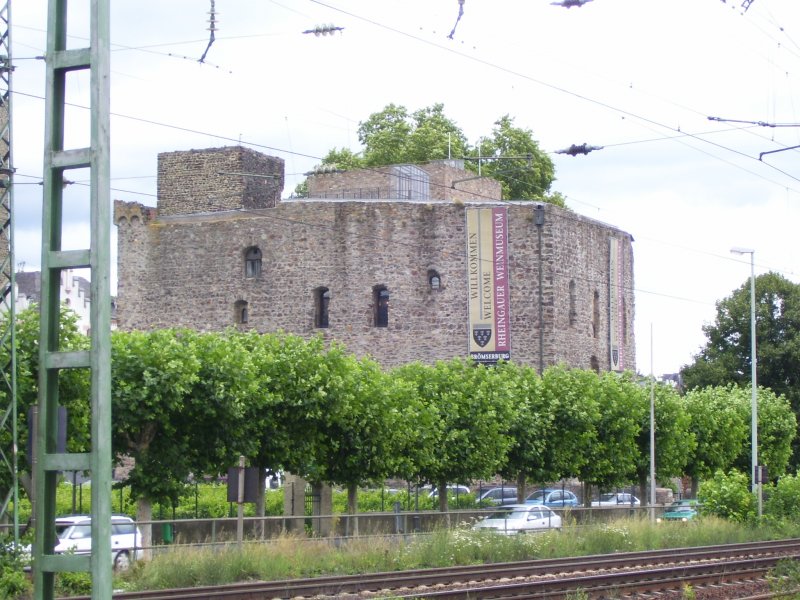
(222, 249)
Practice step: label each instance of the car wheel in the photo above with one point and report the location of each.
(122, 561)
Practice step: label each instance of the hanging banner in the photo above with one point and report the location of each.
(615, 305)
(487, 284)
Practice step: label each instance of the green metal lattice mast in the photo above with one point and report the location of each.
(8, 416)
(61, 62)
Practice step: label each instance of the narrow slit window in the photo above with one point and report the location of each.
(381, 304)
(573, 311)
(596, 314)
(322, 300)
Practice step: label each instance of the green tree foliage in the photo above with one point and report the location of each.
(675, 440)
(526, 173)
(73, 386)
(726, 357)
(574, 416)
(393, 136)
(611, 458)
(296, 378)
(783, 500)
(344, 159)
(359, 425)
(396, 136)
(474, 406)
(719, 429)
(777, 427)
(218, 403)
(153, 374)
(13, 581)
(530, 429)
(728, 496)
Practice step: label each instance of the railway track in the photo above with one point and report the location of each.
(542, 579)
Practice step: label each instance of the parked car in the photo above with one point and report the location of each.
(452, 490)
(616, 499)
(681, 510)
(74, 533)
(519, 518)
(553, 497)
(499, 496)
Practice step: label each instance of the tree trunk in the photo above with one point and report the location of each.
(520, 487)
(352, 505)
(587, 494)
(695, 486)
(144, 515)
(441, 487)
(644, 492)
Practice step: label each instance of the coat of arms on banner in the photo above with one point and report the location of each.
(482, 333)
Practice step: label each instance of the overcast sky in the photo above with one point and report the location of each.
(639, 78)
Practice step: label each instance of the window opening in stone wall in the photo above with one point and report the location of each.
(252, 262)
(573, 312)
(434, 280)
(624, 321)
(380, 299)
(596, 314)
(595, 364)
(240, 312)
(322, 300)
(412, 183)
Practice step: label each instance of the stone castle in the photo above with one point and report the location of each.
(402, 263)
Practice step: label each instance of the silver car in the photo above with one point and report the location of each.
(519, 518)
(75, 534)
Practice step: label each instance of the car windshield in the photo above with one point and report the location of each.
(607, 496)
(509, 514)
(61, 529)
(537, 496)
(679, 507)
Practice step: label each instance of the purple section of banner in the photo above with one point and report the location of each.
(502, 323)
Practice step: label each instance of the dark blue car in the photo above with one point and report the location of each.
(553, 497)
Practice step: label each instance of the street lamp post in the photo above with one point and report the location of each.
(756, 480)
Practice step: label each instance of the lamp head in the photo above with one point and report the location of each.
(739, 250)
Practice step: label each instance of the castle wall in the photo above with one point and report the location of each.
(217, 179)
(188, 270)
(448, 181)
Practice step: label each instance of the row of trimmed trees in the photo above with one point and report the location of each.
(187, 404)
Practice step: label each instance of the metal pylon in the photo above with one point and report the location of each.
(57, 159)
(8, 385)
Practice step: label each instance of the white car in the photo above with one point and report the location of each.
(519, 518)
(616, 499)
(452, 490)
(75, 534)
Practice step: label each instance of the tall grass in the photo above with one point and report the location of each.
(290, 557)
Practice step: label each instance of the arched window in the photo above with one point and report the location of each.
(322, 300)
(380, 301)
(434, 280)
(252, 262)
(240, 315)
(594, 363)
